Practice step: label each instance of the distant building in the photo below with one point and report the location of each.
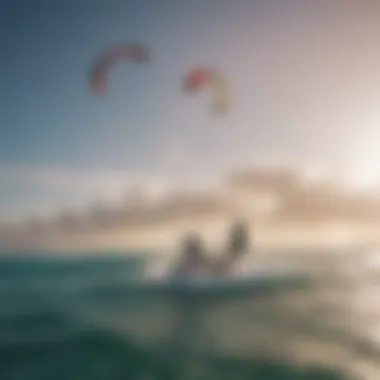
(281, 180)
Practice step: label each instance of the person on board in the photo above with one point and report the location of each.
(237, 248)
(193, 260)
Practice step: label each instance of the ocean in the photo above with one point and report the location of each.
(95, 316)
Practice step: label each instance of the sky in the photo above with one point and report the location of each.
(304, 79)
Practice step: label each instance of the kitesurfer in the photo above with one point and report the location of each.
(237, 248)
(193, 260)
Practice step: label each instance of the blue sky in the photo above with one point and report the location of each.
(59, 143)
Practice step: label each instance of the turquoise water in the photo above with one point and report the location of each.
(76, 319)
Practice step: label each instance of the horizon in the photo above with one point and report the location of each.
(274, 200)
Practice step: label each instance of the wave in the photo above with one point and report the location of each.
(92, 354)
(89, 319)
(26, 266)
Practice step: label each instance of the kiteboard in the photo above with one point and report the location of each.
(213, 287)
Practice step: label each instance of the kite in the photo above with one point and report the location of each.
(196, 79)
(99, 71)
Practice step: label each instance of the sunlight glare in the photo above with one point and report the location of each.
(365, 174)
